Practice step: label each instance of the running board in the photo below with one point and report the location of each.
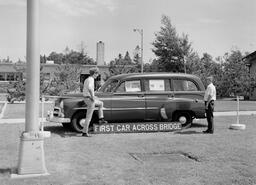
(139, 127)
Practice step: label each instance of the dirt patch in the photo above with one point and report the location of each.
(174, 156)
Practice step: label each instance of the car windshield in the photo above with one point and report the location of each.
(109, 86)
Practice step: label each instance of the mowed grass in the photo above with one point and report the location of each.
(226, 157)
(17, 110)
(231, 105)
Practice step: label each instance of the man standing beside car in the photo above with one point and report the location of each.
(91, 101)
(209, 98)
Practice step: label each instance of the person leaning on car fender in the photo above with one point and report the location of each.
(91, 101)
(209, 98)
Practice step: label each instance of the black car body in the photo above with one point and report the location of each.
(138, 97)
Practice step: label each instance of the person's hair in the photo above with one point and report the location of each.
(210, 78)
(93, 71)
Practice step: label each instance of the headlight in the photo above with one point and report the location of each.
(61, 105)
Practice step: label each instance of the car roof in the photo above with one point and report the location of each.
(152, 74)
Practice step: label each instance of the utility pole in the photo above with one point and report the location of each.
(141, 46)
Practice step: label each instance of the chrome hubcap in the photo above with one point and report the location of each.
(182, 119)
(82, 122)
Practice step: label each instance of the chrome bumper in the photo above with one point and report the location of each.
(57, 116)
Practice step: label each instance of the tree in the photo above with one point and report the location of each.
(66, 79)
(43, 59)
(7, 60)
(75, 57)
(236, 79)
(122, 65)
(170, 49)
(58, 58)
(69, 57)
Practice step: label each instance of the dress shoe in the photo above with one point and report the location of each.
(102, 121)
(208, 132)
(86, 135)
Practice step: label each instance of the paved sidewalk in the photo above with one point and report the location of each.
(17, 120)
(229, 113)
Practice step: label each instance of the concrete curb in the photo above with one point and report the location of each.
(18, 120)
(3, 110)
(234, 113)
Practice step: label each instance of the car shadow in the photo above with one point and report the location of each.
(194, 125)
(188, 132)
(198, 125)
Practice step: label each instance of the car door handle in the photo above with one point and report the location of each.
(141, 95)
(171, 95)
(196, 100)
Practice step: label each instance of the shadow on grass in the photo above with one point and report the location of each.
(61, 131)
(8, 171)
(188, 132)
(194, 125)
(198, 125)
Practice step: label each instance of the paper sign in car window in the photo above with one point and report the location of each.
(156, 85)
(132, 86)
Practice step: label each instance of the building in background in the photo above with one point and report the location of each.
(100, 53)
(11, 72)
(250, 61)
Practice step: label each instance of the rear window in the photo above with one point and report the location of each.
(184, 85)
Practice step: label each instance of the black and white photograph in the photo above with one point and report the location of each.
(127, 92)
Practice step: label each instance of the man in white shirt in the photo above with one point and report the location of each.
(91, 101)
(209, 98)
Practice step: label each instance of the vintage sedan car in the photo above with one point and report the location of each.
(137, 97)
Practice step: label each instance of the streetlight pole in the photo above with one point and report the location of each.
(184, 58)
(31, 154)
(141, 46)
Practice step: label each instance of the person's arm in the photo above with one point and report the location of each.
(210, 96)
(91, 89)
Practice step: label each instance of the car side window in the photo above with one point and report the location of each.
(110, 87)
(184, 85)
(152, 85)
(129, 86)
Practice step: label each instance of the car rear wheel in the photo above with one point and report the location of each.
(77, 122)
(184, 118)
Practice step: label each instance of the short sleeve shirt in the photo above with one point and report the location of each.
(88, 84)
(210, 92)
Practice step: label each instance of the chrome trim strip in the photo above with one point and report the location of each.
(121, 108)
(140, 108)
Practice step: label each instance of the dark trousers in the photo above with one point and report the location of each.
(209, 116)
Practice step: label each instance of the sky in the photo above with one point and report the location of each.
(212, 26)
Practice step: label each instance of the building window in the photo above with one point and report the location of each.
(10, 76)
(18, 76)
(47, 76)
(2, 76)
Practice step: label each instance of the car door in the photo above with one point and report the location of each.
(157, 94)
(188, 94)
(128, 101)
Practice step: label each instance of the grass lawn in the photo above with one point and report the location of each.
(183, 158)
(231, 105)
